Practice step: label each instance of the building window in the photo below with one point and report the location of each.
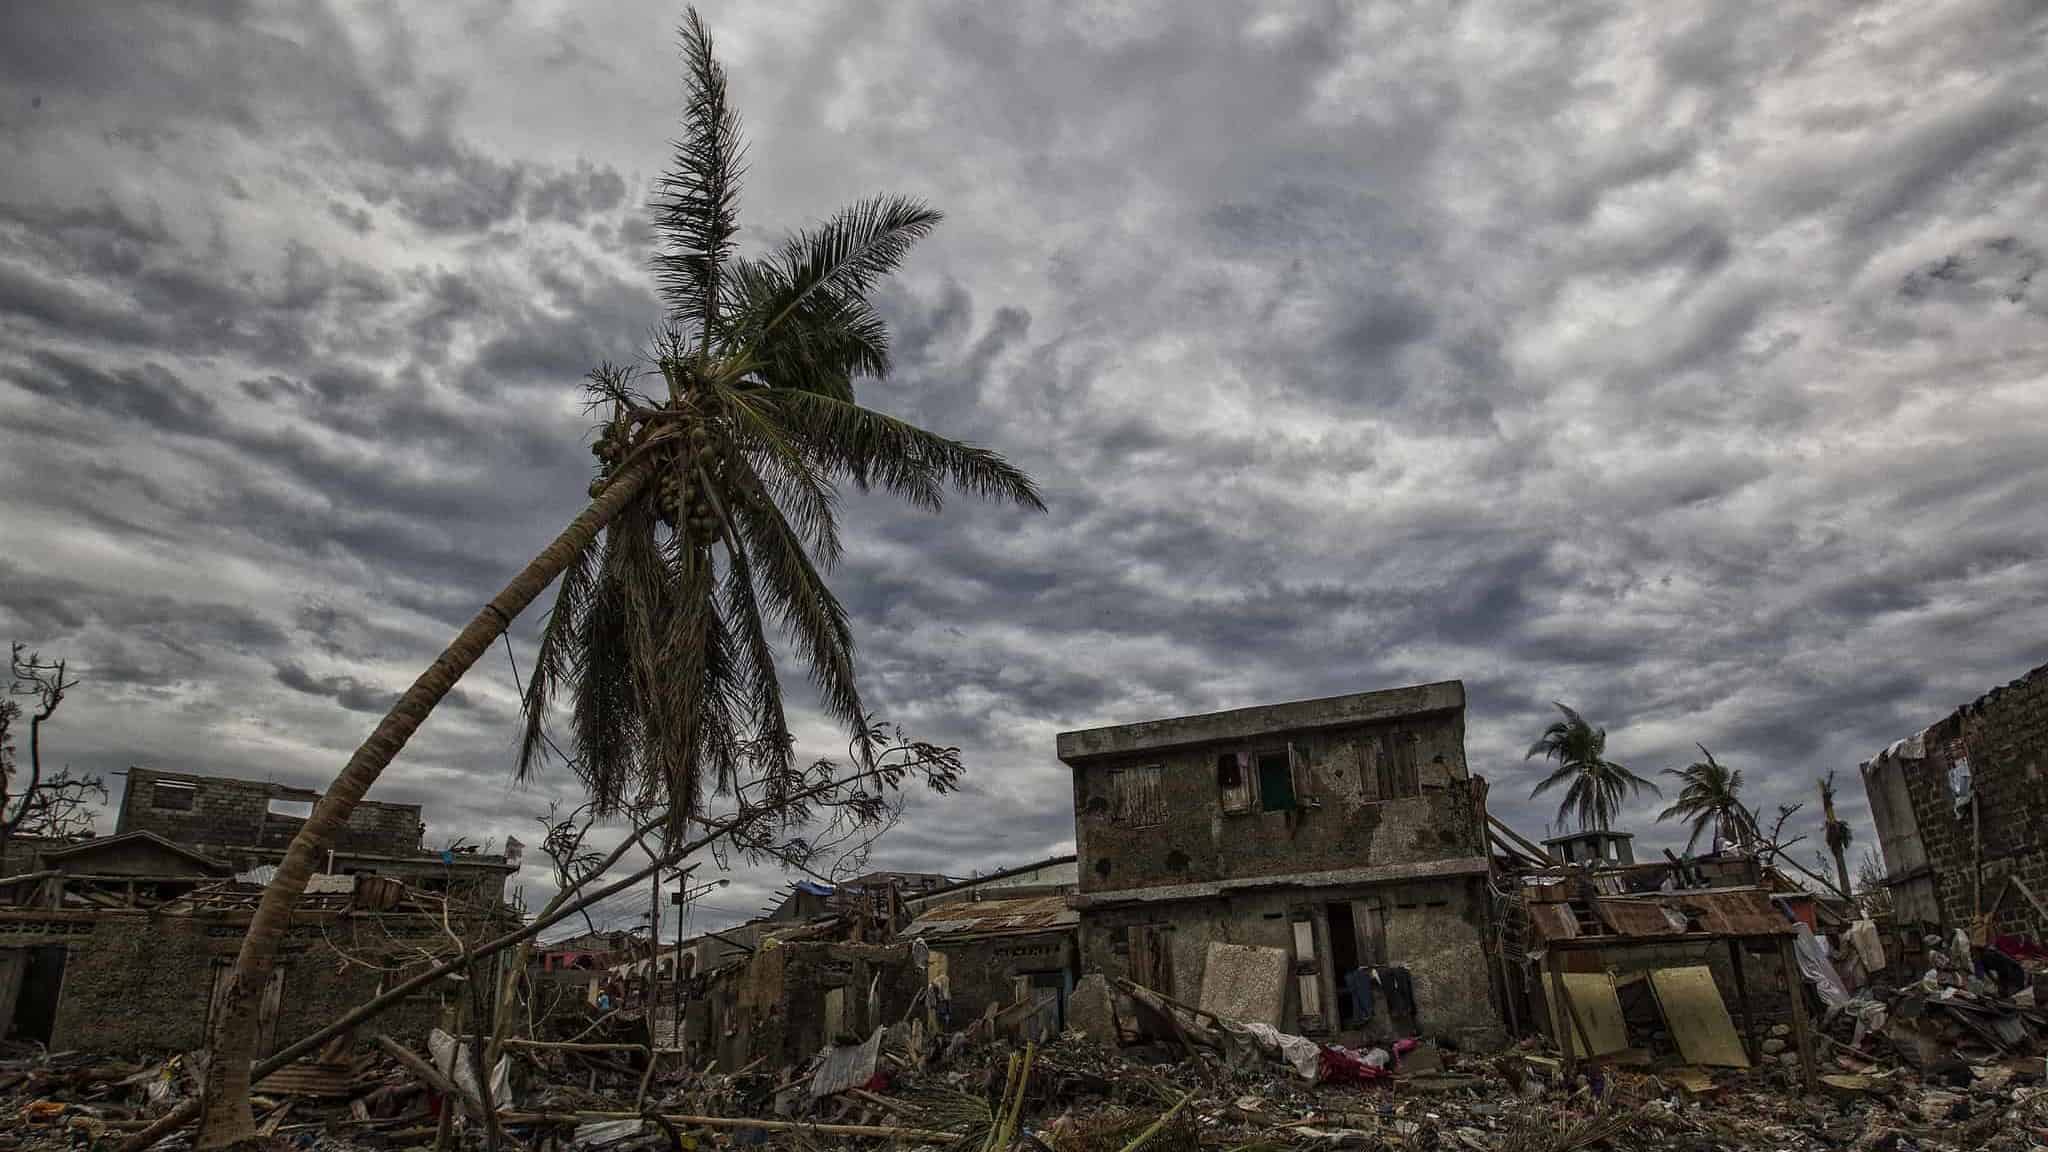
(1276, 780)
(1233, 783)
(1398, 777)
(172, 795)
(1134, 798)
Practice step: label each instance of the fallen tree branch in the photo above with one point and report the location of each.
(736, 1123)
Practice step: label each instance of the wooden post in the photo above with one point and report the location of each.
(1742, 1001)
(1562, 1018)
(1800, 1036)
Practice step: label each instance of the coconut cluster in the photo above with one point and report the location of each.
(683, 465)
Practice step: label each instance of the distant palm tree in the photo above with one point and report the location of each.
(1711, 797)
(1597, 785)
(711, 515)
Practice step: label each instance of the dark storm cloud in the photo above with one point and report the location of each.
(1667, 364)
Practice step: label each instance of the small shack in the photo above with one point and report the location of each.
(1685, 953)
(1000, 953)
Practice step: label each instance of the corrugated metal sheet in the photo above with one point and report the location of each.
(1552, 922)
(995, 917)
(1641, 918)
(1722, 912)
(1742, 912)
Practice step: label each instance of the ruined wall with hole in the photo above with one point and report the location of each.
(1437, 929)
(1342, 817)
(2003, 738)
(135, 982)
(979, 973)
(792, 998)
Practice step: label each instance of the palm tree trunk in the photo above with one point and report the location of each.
(226, 1118)
(1830, 830)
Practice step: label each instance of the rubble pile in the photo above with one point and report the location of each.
(1075, 1094)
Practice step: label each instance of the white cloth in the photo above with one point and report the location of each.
(1818, 972)
(458, 1063)
(1300, 1052)
(1869, 946)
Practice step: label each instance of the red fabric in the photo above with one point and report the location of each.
(2020, 948)
(1340, 1067)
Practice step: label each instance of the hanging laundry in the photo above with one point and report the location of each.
(1399, 988)
(1358, 986)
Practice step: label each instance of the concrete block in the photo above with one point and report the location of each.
(1245, 983)
(1091, 1009)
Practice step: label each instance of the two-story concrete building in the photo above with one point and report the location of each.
(250, 823)
(1345, 832)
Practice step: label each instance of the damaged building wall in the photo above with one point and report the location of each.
(1382, 789)
(1437, 929)
(981, 973)
(1346, 832)
(136, 982)
(791, 998)
(1975, 812)
(225, 813)
(1000, 952)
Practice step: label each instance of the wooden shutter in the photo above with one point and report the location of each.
(1298, 773)
(1134, 797)
(1236, 792)
(1151, 947)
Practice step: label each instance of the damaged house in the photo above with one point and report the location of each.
(1961, 809)
(1320, 866)
(124, 941)
(1003, 942)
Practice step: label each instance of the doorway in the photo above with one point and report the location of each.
(42, 982)
(1343, 959)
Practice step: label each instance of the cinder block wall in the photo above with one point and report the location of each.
(236, 813)
(136, 983)
(2005, 735)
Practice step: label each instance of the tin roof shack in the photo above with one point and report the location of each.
(1330, 835)
(1001, 954)
(1962, 815)
(1591, 937)
(250, 823)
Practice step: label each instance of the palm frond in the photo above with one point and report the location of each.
(870, 448)
(696, 199)
(846, 255)
(555, 658)
(813, 616)
(762, 688)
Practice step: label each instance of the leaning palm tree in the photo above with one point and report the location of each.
(712, 512)
(1711, 797)
(1598, 786)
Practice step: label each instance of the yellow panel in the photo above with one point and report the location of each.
(1698, 1017)
(1592, 993)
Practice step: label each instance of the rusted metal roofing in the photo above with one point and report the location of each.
(995, 918)
(1745, 912)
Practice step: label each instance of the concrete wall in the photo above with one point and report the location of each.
(1355, 826)
(2004, 735)
(776, 1006)
(1436, 929)
(236, 814)
(982, 972)
(136, 983)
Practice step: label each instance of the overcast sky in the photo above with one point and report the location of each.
(1684, 363)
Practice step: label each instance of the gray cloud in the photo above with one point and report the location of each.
(1674, 366)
